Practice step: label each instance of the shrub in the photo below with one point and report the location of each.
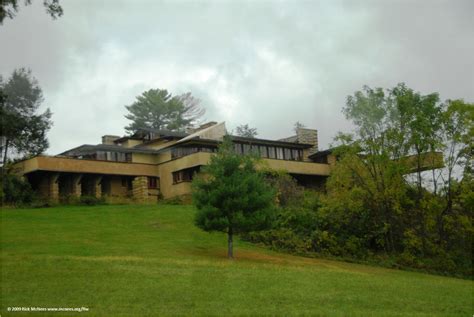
(177, 200)
(91, 200)
(288, 192)
(15, 190)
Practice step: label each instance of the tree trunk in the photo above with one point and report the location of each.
(6, 153)
(230, 246)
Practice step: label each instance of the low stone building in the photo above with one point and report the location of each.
(153, 164)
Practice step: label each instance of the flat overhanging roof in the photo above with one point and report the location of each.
(70, 165)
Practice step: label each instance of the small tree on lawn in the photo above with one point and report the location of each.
(231, 195)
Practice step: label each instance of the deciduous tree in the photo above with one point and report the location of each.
(8, 8)
(244, 130)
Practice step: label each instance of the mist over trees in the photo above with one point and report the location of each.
(159, 109)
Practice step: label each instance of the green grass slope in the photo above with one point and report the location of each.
(151, 260)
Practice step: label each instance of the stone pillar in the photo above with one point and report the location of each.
(140, 189)
(53, 187)
(308, 136)
(98, 187)
(76, 185)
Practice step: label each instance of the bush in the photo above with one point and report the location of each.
(288, 192)
(177, 200)
(91, 200)
(15, 190)
(312, 228)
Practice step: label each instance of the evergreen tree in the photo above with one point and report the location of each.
(22, 131)
(231, 195)
(158, 109)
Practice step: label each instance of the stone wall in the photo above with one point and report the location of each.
(140, 189)
(109, 139)
(308, 136)
(49, 187)
(76, 185)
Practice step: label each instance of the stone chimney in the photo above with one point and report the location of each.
(109, 139)
(308, 136)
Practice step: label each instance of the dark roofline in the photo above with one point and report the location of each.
(164, 134)
(199, 141)
(125, 138)
(271, 142)
(87, 148)
(320, 153)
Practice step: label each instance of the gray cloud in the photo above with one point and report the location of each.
(268, 64)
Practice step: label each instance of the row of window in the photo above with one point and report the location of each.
(183, 151)
(108, 156)
(272, 152)
(114, 156)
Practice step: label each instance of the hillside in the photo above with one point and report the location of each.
(151, 260)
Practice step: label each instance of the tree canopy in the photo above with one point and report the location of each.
(298, 125)
(244, 130)
(231, 195)
(381, 190)
(158, 109)
(401, 192)
(23, 131)
(9, 8)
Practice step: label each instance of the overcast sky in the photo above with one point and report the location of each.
(265, 63)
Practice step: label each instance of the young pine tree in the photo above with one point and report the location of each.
(231, 195)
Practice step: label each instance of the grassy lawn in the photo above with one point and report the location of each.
(151, 260)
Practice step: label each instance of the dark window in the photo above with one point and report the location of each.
(127, 182)
(255, 149)
(321, 159)
(101, 155)
(152, 182)
(185, 175)
(295, 155)
(271, 152)
(183, 151)
(279, 151)
(238, 148)
(246, 148)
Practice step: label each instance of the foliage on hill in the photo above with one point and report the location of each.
(379, 205)
(14, 190)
